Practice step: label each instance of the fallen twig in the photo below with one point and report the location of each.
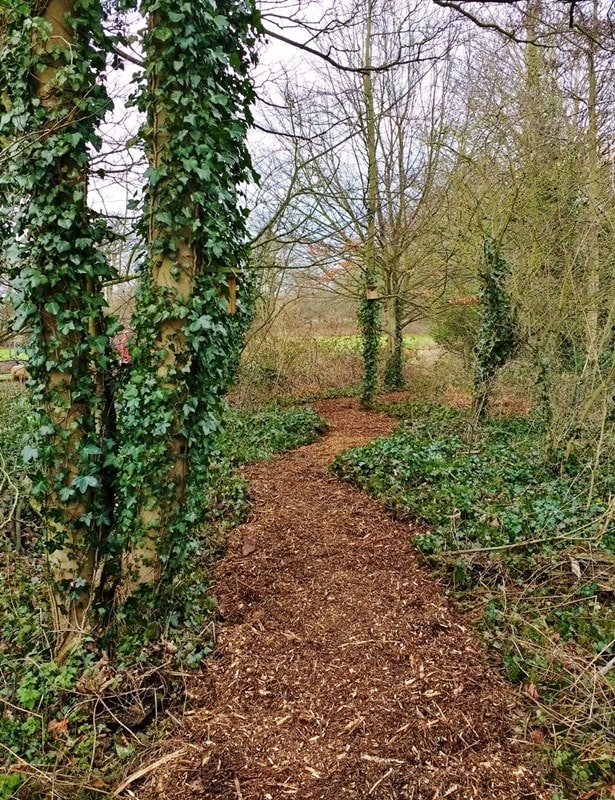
(143, 771)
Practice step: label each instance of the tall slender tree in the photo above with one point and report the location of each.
(53, 99)
(197, 102)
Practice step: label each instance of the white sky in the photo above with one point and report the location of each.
(124, 164)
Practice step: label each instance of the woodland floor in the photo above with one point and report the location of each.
(341, 670)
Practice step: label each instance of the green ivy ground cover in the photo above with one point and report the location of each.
(517, 541)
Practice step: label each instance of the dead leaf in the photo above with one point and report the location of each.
(537, 736)
(248, 548)
(531, 691)
(611, 789)
(58, 727)
(575, 567)
(168, 646)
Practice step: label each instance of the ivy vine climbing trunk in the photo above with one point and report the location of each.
(369, 311)
(197, 101)
(53, 101)
(497, 336)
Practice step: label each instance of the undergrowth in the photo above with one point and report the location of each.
(67, 730)
(518, 540)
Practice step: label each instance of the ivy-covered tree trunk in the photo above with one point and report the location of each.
(197, 102)
(369, 311)
(497, 336)
(135, 499)
(53, 101)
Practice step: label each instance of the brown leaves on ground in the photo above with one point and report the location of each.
(341, 670)
(57, 727)
(607, 791)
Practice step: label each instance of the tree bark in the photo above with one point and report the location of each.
(74, 563)
(370, 313)
(593, 222)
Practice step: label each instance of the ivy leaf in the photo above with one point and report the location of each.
(91, 450)
(83, 482)
(153, 176)
(203, 323)
(29, 454)
(53, 308)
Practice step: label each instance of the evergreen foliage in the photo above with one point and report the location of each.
(497, 335)
(53, 99)
(369, 322)
(197, 100)
(106, 486)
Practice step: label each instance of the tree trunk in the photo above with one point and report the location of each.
(188, 335)
(66, 369)
(369, 312)
(394, 370)
(593, 221)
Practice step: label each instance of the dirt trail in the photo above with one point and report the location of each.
(341, 670)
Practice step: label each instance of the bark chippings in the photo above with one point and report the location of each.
(341, 670)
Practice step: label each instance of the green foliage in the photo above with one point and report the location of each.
(261, 434)
(52, 241)
(8, 785)
(394, 371)
(352, 344)
(34, 689)
(16, 429)
(500, 491)
(16, 426)
(369, 322)
(197, 61)
(497, 334)
(516, 536)
(196, 79)
(456, 328)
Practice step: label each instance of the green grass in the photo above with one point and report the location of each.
(352, 343)
(517, 539)
(10, 353)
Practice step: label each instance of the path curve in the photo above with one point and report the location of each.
(341, 669)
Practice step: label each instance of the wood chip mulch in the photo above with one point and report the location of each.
(341, 670)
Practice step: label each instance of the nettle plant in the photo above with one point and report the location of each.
(118, 475)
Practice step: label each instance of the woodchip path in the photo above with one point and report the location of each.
(341, 669)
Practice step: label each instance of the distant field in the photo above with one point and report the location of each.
(9, 353)
(352, 344)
